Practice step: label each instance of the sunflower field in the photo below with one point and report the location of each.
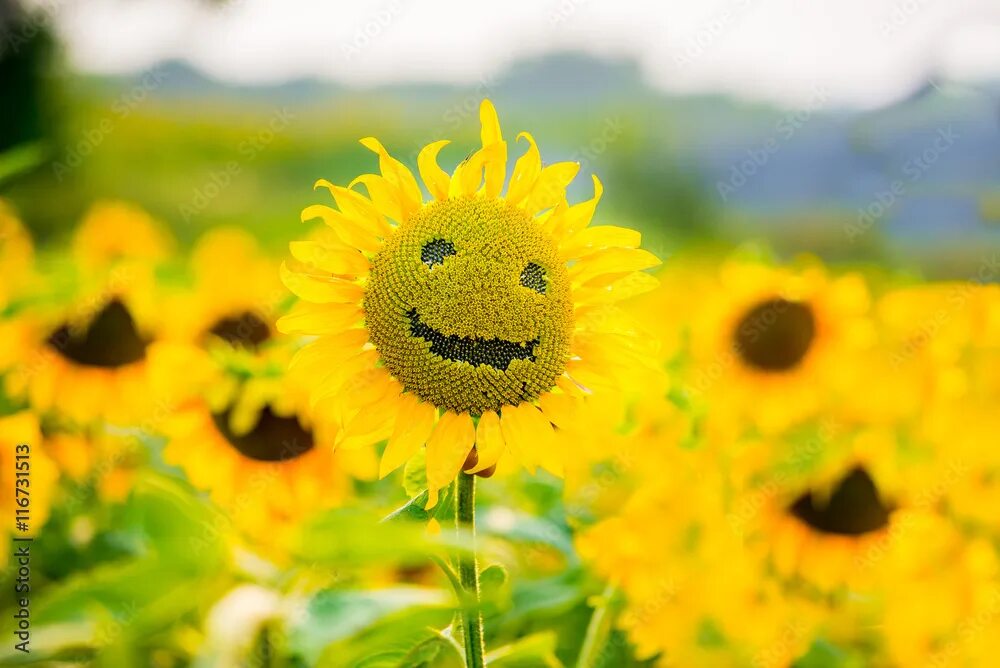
(465, 418)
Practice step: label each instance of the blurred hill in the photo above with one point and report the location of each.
(916, 183)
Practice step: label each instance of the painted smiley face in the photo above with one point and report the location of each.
(469, 306)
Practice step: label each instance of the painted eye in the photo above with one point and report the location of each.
(533, 277)
(435, 251)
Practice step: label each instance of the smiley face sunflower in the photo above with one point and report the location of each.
(474, 322)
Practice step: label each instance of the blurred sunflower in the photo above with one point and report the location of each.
(824, 506)
(264, 457)
(474, 319)
(689, 582)
(20, 435)
(16, 255)
(80, 348)
(114, 232)
(951, 354)
(770, 344)
(219, 319)
(96, 458)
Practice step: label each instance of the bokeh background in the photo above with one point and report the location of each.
(863, 135)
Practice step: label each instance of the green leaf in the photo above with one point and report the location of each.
(336, 615)
(20, 159)
(415, 473)
(520, 527)
(114, 603)
(413, 510)
(550, 597)
(534, 651)
(494, 585)
(493, 576)
(351, 537)
(438, 651)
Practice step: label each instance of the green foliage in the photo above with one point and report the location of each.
(341, 627)
(179, 568)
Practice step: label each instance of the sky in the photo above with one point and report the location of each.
(795, 53)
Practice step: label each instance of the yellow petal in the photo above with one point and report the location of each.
(526, 170)
(549, 188)
(496, 167)
(559, 409)
(385, 195)
(355, 205)
(319, 319)
(398, 175)
(414, 423)
(342, 260)
(367, 427)
(328, 352)
(592, 239)
(321, 289)
(327, 381)
(575, 218)
(468, 175)
(349, 230)
(436, 179)
(489, 441)
(527, 433)
(626, 287)
(570, 387)
(611, 264)
(490, 133)
(447, 448)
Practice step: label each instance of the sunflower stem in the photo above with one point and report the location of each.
(468, 570)
(597, 631)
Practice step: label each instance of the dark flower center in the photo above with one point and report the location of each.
(775, 335)
(111, 339)
(242, 330)
(854, 508)
(273, 438)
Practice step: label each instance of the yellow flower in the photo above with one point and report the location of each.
(770, 345)
(27, 467)
(106, 460)
(226, 318)
(79, 348)
(263, 458)
(114, 231)
(695, 594)
(86, 363)
(16, 255)
(479, 317)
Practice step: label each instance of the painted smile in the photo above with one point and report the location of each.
(496, 353)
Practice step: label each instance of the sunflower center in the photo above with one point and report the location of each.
(854, 507)
(111, 339)
(469, 306)
(775, 335)
(241, 330)
(273, 439)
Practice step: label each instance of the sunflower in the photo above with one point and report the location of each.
(942, 340)
(218, 320)
(770, 344)
(113, 232)
(27, 473)
(262, 456)
(79, 349)
(86, 362)
(476, 318)
(689, 581)
(824, 505)
(16, 255)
